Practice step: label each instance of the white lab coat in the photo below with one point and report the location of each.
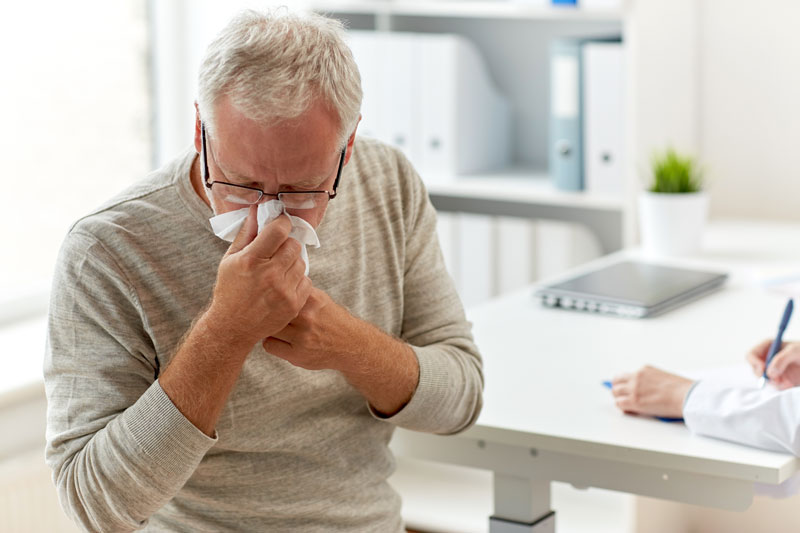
(746, 414)
(764, 418)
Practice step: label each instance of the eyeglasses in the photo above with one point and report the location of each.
(244, 195)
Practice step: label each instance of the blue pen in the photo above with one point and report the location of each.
(776, 344)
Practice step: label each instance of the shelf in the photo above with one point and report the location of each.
(499, 9)
(527, 194)
(520, 185)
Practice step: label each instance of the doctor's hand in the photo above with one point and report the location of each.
(261, 282)
(650, 391)
(784, 369)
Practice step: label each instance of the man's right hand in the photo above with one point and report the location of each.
(261, 283)
(784, 369)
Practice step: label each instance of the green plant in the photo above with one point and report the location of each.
(674, 173)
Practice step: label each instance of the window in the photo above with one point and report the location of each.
(76, 129)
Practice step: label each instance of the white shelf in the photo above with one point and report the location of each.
(499, 9)
(519, 185)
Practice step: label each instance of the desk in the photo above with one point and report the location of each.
(546, 416)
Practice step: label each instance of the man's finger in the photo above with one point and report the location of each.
(247, 232)
(276, 346)
(295, 273)
(271, 237)
(286, 335)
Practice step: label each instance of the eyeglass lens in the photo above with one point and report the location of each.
(293, 200)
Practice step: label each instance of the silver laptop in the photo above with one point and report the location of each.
(631, 289)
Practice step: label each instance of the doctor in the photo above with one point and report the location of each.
(766, 418)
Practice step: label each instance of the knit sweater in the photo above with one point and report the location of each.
(295, 449)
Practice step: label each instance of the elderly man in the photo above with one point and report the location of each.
(200, 385)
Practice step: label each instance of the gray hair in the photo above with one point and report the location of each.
(272, 65)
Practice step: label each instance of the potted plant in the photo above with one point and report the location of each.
(673, 208)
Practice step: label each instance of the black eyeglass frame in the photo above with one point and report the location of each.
(208, 184)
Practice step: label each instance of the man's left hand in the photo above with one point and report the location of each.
(325, 335)
(322, 336)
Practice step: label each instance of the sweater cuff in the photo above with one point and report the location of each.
(433, 391)
(164, 434)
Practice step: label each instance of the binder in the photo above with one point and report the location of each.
(566, 135)
(438, 107)
(431, 96)
(366, 52)
(399, 79)
(604, 124)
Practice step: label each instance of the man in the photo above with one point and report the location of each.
(197, 385)
(765, 418)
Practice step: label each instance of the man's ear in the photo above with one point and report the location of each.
(198, 143)
(350, 142)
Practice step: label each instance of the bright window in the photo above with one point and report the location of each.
(76, 122)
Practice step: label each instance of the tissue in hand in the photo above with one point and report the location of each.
(226, 226)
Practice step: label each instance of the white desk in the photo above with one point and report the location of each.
(546, 416)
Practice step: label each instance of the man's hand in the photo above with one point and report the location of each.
(784, 369)
(261, 283)
(324, 335)
(651, 391)
(261, 286)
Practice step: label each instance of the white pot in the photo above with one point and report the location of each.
(672, 223)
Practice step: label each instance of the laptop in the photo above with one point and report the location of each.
(631, 289)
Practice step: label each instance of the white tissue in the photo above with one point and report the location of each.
(227, 225)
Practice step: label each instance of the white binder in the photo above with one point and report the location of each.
(604, 117)
(431, 95)
(368, 58)
(465, 120)
(399, 81)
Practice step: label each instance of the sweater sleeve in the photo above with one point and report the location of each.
(118, 447)
(764, 418)
(448, 398)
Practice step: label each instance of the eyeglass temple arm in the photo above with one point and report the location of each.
(205, 157)
(339, 171)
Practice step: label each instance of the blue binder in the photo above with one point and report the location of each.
(566, 115)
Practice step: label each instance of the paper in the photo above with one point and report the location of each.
(786, 285)
(227, 225)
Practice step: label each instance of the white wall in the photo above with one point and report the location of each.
(750, 106)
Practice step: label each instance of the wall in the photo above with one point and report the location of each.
(750, 106)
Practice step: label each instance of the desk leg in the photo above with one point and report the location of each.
(521, 505)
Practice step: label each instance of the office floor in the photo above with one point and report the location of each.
(766, 515)
(445, 499)
(441, 498)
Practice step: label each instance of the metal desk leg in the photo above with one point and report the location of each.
(521, 505)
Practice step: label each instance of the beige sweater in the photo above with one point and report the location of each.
(296, 450)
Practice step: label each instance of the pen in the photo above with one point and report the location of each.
(776, 344)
